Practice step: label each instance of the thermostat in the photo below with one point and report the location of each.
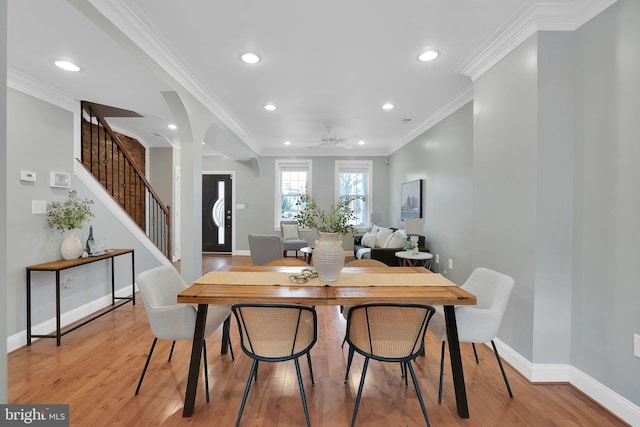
(27, 176)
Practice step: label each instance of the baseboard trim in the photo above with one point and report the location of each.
(48, 326)
(562, 373)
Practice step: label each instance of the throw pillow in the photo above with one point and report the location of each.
(374, 229)
(289, 231)
(369, 239)
(383, 235)
(396, 239)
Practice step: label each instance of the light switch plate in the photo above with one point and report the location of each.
(636, 345)
(38, 207)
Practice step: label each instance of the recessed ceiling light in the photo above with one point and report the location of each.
(361, 142)
(250, 58)
(172, 126)
(270, 107)
(428, 55)
(388, 106)
(202, 142)
(67, 66)
(287, 143)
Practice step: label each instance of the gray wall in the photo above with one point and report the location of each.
(259, 191)
(160, 172)
(504, 177)
(554, 193)
(607, 199)
(443, 157)
(35, 126)
(3, 199)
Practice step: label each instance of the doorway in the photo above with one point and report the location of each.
(217, 224)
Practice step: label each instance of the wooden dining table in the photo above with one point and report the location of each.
(355, 285)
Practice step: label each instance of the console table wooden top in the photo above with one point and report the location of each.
(63, 264)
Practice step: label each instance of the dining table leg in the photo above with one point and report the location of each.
(194, 365)
(456, 361)
(226, 328)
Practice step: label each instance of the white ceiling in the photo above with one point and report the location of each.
(326, 64)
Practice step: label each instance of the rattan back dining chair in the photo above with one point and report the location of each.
(288, 261)
(169, 320)
(387, 332)
(365, 263)
(276, 333)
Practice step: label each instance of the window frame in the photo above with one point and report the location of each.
(342, 166)
(287, 165)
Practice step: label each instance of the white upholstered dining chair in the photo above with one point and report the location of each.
(478, 323)
(169, 320)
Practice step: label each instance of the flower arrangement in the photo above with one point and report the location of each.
(71, 214)
(336, 219)
(409, 245)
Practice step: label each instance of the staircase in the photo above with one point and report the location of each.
(105, 156)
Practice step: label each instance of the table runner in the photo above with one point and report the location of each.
(344, 280)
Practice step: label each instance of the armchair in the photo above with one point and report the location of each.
(291, 240)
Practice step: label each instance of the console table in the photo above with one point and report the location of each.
(60, 265)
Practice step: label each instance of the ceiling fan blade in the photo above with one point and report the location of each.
(343, 145)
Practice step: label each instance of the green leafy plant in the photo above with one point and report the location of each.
(72, 213)
(337, 219)
(409, 245)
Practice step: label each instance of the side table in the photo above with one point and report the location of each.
(307, 252)
(411, 259)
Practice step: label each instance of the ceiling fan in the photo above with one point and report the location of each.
(331, 140)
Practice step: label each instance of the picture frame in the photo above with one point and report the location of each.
(411, 199)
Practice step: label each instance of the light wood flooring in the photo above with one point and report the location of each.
(97, 367)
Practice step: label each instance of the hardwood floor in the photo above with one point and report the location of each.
(97, 367)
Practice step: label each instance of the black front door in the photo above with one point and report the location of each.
(216, 213)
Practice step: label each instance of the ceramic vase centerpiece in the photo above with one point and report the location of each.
(328, 256)
(69, 216)
(338, 220)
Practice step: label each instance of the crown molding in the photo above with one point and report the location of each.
(455, 103)
(30, 85)
(132, 22)
(565, 15)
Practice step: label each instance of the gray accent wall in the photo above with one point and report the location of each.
(443, 158)
(40, 138)
(606, 288)
(258, 192)
(545, 169)
(3, 200)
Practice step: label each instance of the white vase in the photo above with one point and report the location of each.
(328, 257)
(71, 246)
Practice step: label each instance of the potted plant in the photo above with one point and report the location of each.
(69, 216)
(337, 219)
(328, 255)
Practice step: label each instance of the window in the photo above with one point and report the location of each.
(293, 179)
(353, 179)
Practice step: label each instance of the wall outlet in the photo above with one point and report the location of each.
(636, 345)
(450, 264)
(66, 280)
(437, 258)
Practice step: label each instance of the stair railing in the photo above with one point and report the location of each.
(106, 157)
